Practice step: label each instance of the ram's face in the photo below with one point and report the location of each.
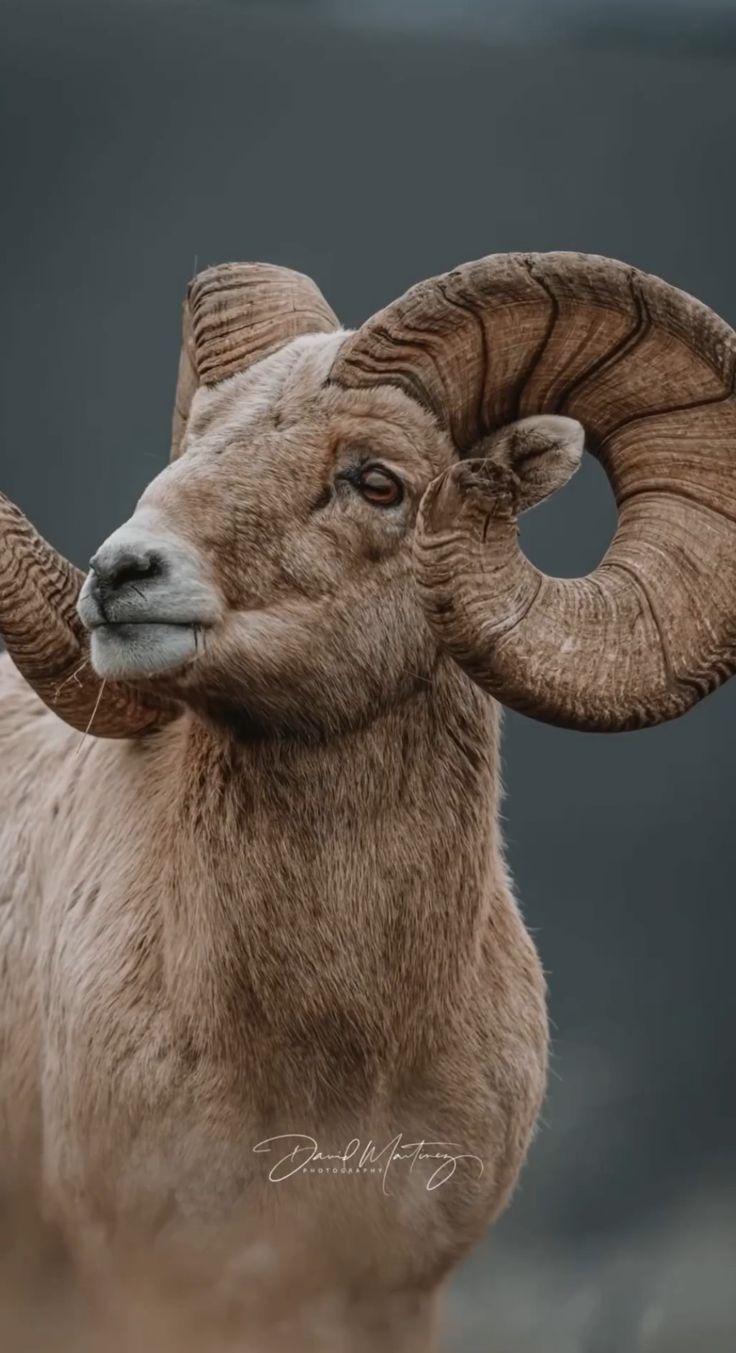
(339, 523)
(266, 573)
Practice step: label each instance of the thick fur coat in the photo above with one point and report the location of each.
(287, 912)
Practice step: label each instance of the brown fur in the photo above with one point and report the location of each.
(288, 911)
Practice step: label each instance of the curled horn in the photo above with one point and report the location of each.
(48, 643)
(236, 314)
(649, 372)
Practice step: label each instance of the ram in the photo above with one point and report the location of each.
(264, 979)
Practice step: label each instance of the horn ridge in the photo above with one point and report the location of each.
(235, 314)
(48, 643)
(649, 372)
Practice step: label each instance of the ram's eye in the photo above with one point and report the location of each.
(380, 487)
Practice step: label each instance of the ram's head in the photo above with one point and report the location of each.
(339, 514)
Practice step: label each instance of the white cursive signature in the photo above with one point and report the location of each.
(301, 1153)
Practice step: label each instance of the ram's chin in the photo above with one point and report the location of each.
(125, 651)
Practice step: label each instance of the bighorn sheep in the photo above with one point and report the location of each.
(267, 899)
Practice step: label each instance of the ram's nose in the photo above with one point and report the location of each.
(119, 566)
(146, 601)
(143, 576)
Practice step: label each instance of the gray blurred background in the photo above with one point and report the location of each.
(371, 144)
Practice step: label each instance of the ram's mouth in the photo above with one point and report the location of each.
(141, 648)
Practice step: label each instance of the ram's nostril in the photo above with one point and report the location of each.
(135, 571)
(125, 567)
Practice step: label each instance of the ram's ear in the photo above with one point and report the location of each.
(236, 314)
(540, 453)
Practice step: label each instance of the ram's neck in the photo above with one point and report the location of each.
(328, 896)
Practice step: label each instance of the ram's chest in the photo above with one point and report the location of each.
(146, 1137)
(109, 1065)
(145, 1121)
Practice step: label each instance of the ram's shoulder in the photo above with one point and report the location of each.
(29, 731)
